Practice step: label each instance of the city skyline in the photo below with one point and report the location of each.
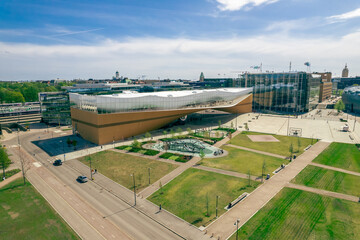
(166, 39)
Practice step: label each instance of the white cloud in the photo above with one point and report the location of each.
(345, 16)
(176, 58)
(234, 5)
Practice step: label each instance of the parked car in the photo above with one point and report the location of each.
(82, 179)
(57, 162)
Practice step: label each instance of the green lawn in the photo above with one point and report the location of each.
(119, 166)
(282, 147)
(25, 214)
(296, 214)
(341, 155)
(186, 195)
(242, 161)
(330, 180)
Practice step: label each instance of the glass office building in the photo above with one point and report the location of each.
(292, 92)
(351, 99)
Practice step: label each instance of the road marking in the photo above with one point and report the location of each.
(37, 164)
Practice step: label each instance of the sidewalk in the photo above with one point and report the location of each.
(324, 192)
(335, 169)
(256, 151)
(226, 172)
(10, 179)
(224, 226)
(165, 218)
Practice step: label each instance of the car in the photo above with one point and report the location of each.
(57, 162)
(82, 179)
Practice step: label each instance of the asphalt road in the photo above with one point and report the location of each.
(134, 223)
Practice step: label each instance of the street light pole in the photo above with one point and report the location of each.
(237, 228)
(217, 200)
(149, 175)
(133, 175)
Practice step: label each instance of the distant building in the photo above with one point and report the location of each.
(325, 90)
(55, 108)
(345, 72)
(22, 113)
(100, 87)
(344, 82)
(351, 99)
(291, 92)
(201, 77)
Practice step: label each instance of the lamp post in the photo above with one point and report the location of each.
(237, 228)
(217, 201)
(149, 175)
(133, 175)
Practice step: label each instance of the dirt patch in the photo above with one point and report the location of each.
(6, 207)
(13, 215)
(262, 138)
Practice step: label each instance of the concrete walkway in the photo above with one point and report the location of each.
(256, 151)
(224, 226)
(10, 179)
(163, 217)
(324, 192)
(226, 172)
(335, 169)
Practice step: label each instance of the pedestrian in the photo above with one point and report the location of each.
(159, 207)
(95, 170)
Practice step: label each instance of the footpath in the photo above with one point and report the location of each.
(224, 226)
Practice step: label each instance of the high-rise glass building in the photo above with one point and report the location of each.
(292, 92)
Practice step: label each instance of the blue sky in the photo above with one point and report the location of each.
(175, 39)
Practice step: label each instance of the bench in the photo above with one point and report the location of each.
(236, 201)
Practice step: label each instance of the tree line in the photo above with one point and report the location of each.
(18, 92)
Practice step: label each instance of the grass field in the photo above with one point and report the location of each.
(186, 195)
(330, 180)
(242, 161)
(118, 167)
(341, 155)
(282, 147)
(296, 214)
(25, 214)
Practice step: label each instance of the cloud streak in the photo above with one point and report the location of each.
(345, 16)
(235, 5)
(175, 58)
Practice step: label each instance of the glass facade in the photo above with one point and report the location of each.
(167, 100)
(55, 108)
(351, 99)
(292, 92)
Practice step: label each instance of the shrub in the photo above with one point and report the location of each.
(9, 173)
(174, 157)
(123, 147)
(134, 149)
(151, 152)
(166, 155)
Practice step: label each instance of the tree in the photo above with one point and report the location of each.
(161, 189)
(219, 123)
(74, 143)
(148, 135)
(189, 131)
(249, 178)
(135, 143)
(4, 160)
(340, 106)
(179, 130)
(291, 149)
(201, 154)
(298, 143)
(165, 133)
(172, 132)
(207, 204)
(263, 171)
(68, 141)
(25, 165)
